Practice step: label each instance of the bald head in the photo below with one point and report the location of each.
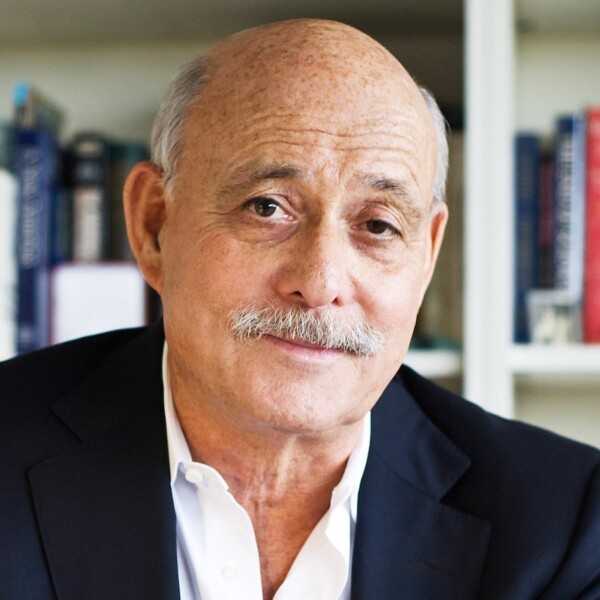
(315, 66)
(307, 57)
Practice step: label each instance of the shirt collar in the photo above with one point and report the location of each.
(179, 451)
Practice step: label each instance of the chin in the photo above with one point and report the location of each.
(305, 409)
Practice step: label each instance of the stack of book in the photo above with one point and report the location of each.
(557, 232)
(64, 256)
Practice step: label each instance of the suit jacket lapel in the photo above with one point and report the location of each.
(104, 507)
(408, 544)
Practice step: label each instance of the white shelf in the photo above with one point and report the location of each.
(437, 364)
(567, 359)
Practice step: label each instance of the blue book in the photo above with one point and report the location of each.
(35, 167)
(527, 221)
(569, 212)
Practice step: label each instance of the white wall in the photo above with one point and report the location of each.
(555, 73)
(113, 88)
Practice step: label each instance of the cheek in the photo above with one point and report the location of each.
(211, 275)
(391, 302)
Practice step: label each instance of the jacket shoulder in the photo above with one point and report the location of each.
(539, 491)
(47, 374)
(472, 429)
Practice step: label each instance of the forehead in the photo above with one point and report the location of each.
(322, 68)
(338, 96)
(338, 147)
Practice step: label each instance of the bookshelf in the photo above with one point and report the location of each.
(526, 61)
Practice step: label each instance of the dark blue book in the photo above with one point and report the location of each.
(546, 233)
(527, 220)
(569, 212)
(35, 167)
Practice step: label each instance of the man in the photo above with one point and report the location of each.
(264, 448)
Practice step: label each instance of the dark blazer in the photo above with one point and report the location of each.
(455, 504)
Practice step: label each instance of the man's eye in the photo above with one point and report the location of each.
(263, 207)
(379, 227)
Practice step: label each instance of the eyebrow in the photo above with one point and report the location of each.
(396, 190)
(248, 176)
(385, 184)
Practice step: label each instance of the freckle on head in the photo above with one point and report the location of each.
(311, 56)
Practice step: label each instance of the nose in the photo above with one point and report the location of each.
(316, 270)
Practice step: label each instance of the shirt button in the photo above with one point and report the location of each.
(194, 476)
(230, 573)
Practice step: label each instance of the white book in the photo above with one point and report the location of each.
(89, 298)
(8, 264)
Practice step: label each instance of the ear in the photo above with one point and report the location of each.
(438, 217)
(145, 206)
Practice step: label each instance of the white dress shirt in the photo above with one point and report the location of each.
(217, 554)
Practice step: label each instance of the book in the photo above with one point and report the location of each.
(61, 227)
(569, 213)
(8, 255)
(546, 224)
(32, 109)
(527, 148)
(591, 294)
(88, 298)
(90, 188)
(124, 155)
(35, 168)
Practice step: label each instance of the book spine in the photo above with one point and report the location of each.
(90, 156)
(8, 263)
(527, 218)
(591, 299)
(61, 228)
(8, 231)
(35, 161)
(569, 223)
(546, 229)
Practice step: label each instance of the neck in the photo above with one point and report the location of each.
(261, 463)
(282, 477)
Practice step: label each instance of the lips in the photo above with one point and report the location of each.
(302, 344)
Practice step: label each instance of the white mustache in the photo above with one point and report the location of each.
(325, 330)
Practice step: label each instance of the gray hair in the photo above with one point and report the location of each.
(441, 134)
(327, 330)
(167, 131)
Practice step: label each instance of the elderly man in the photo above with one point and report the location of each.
(263, 446)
